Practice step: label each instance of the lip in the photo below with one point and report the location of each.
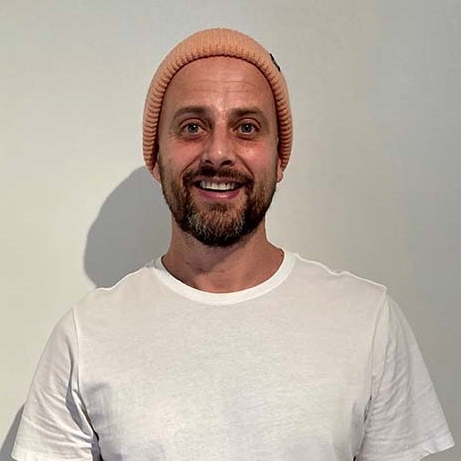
(218, 189)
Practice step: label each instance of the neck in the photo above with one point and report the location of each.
(247, 263)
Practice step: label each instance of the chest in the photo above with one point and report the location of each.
(227, 392)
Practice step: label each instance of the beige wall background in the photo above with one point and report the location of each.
(373, 185)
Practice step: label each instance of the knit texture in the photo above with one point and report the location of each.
(210, 43)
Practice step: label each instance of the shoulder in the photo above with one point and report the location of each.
(320, 281)
(130, 288)
(129, 296)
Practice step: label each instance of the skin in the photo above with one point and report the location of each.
(219, 114)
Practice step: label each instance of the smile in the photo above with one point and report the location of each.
(218, 186)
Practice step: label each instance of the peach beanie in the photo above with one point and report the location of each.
(209, 43)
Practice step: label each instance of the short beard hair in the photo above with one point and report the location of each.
(219, 224)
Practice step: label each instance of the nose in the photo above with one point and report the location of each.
(219, 150)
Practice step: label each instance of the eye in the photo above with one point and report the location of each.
(191, 128)
(247, 128)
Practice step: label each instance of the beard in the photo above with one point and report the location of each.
(218, 224)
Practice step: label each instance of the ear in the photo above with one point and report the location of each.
(156, 169)
(156, 172)
(279, 169)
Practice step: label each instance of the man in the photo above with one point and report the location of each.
(227, 347)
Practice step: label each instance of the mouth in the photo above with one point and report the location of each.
(218, 186)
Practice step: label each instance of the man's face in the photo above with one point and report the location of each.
(217, 161)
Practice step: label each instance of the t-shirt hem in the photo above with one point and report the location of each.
(426, 448)
(24, 454)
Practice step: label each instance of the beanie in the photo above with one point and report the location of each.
(210, 43)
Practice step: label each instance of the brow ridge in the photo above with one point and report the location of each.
(203, 111)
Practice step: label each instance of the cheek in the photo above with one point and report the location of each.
(179, 155)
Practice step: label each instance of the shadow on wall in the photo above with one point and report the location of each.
(5, 451)
(132, 228)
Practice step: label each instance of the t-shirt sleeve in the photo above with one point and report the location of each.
(54, 424)
(405, 421)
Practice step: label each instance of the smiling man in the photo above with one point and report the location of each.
(228, 348)
(218, 142)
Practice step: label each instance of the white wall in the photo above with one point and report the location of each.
(373, 185)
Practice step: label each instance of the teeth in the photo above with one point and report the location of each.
(217, 185)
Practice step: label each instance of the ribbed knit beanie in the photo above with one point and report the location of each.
(210, 43)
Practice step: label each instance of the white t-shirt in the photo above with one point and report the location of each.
(309, 365)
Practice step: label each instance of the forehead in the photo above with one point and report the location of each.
(219, 80)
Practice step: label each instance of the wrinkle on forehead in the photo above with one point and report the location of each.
(220, 69)
(224, 83)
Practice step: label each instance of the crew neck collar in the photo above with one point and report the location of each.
(224, 298)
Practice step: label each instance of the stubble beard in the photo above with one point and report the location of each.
(218, 224)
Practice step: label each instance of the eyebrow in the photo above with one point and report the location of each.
(203, 111)
(251, 111)
(200, 111)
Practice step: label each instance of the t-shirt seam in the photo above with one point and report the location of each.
(379, 307)
(382, 302)
(77, 366)
(78, 351)
(340, 273)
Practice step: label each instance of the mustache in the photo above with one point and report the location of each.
(225, 173)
